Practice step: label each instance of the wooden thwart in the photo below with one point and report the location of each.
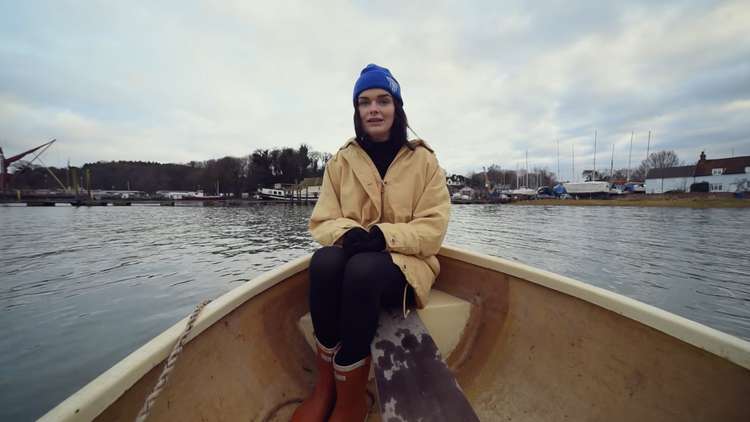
(413, 382)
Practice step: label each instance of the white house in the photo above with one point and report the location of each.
(455, 182)
(724, 174)
(670, 179)
(721, 175)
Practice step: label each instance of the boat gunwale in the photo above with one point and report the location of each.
(93, 398)
(726, 346)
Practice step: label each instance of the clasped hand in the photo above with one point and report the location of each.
(358, 240)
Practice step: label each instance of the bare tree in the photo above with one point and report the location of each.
(315, 159)
(657, 160)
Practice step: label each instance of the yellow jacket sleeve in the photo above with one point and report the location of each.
(424, 234)
(327, 223)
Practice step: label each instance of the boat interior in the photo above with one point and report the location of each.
(520, 350)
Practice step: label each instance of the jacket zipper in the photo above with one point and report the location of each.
(382, 200)
(382, 184)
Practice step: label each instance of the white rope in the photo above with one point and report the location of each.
(151, 399)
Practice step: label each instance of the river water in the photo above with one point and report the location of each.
(81, 288)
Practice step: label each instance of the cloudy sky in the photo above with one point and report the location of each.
(483, 82)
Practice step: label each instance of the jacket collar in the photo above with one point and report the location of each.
(412, 145)
(349, 142)
(366, 172)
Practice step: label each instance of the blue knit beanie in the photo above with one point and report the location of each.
(374, 76)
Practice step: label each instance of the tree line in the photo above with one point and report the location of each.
(494, 175)
(265, 167)
(261, 168)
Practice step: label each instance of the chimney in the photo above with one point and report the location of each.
(703, 156)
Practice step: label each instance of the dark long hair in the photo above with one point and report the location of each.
(398, 130)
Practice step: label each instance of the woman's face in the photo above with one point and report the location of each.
(376, 110)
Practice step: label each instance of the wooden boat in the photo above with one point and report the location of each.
(530, 345)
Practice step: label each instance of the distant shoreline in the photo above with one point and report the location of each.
(679, 200)
(671, 201)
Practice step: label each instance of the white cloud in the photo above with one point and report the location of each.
(482, 83)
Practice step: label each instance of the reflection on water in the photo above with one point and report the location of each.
(82, 288)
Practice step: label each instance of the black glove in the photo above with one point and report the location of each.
(376, 243)
(358, 240)
(353, 238)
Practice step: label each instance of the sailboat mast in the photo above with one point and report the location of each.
(630, 154)
(573, 163)
(527, 168)
(593, 175)
(558, 158)
(612, 163)
(648, 149)
(2, 171)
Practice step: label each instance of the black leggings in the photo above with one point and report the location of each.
(346, 295)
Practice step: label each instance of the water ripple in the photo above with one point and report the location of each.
(690, 262)
(96, 283)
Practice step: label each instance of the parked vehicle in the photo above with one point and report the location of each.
(634, 187)
(545, 192)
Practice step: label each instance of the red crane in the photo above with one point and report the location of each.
(6, 162)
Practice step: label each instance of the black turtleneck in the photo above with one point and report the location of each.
(381, 153)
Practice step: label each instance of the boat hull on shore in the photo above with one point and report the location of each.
(537, 346)
(588, 189)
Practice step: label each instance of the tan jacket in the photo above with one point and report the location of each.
(411, 207)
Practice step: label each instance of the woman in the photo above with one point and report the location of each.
(381, 218)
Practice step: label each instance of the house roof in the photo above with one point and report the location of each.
(670, 172)
(734, 165)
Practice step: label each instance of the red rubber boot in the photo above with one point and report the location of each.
(351, 391)
(319, 404)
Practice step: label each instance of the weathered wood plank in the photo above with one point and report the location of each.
(413, 382)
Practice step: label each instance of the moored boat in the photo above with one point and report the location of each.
(522, 193)
(588, 189)
(279, 194)
(532, 346)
